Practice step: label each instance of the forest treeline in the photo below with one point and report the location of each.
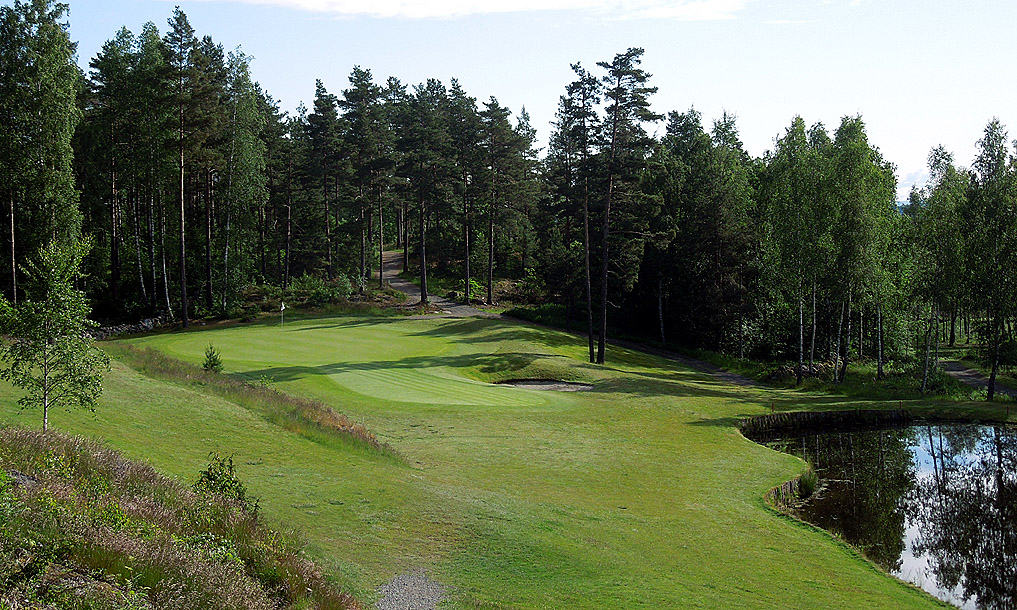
(193, 184)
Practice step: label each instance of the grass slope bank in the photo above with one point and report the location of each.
(84, 528)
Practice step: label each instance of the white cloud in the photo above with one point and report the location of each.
(788, 21)
(685, 10)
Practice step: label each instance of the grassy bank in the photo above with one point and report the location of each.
(641, 492)
(84, 528)
(310, 419)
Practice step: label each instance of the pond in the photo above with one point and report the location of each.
(935, 505)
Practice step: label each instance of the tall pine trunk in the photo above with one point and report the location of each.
(467, 229)
(423, 250)
(364, 238)
(586, 266)
(183, 221)
(162, 256)
(289, 240)
(208, 239)
(399, 227)
(490, 250)
(605, 238)
(406, 236)
(328, 226)
(153, 275)
(137, 246)
(114, 239)
(587, 273)
(229, 212)
(381, 241)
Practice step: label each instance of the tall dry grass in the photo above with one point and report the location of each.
(308, 418)
(81, 526)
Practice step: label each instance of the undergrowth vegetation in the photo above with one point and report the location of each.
(311, 419)
(901, 380)
(82, 527)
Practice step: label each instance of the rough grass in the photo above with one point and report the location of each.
(900, 382)
(82, 527)
(311, 419)
(640, 493)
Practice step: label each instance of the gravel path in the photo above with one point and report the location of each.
(393, 266)
(411, 591)
(973, 378)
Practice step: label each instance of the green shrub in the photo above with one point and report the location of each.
(213, 362)
(531, 287)
(220, 478)
(318, 292)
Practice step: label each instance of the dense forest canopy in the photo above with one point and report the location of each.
(193, 185)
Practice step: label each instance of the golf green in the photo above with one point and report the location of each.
(638, 493)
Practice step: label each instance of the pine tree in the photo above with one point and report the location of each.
(424, 145)
(625, 144)
(323, 131)
(180, 45)
(466, 132)
(368, 145)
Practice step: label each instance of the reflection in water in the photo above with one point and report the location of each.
(933, 505)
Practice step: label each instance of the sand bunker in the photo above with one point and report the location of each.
(549, 385)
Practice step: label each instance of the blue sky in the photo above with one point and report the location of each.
(921, 73)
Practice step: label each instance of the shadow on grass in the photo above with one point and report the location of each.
(626, 386)
(487, 363)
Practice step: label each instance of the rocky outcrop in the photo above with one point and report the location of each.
(131, 328)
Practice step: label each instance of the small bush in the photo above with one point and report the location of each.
(477, 291)
(220, 478)
(213, 362)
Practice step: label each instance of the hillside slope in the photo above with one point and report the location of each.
(82, 527)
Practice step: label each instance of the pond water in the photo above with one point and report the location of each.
(935, 505)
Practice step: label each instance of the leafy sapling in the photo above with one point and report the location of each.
(49, 353)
